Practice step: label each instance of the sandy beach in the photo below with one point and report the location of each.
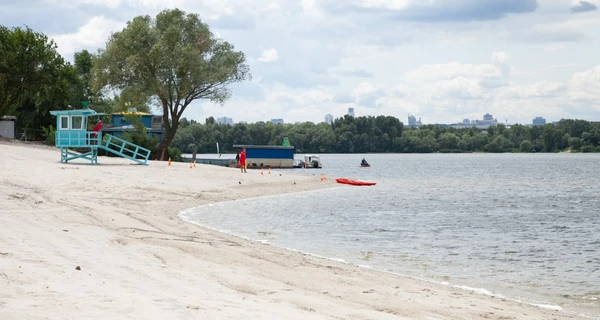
(81, 241)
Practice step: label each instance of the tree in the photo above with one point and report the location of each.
(448, 141)
(174, 59)
(526, 146)
(83, 68)
(575, 143)
(34, 78)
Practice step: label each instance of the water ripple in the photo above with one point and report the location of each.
(520, 225)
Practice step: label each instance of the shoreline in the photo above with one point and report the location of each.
(476, 290)
(120, 224)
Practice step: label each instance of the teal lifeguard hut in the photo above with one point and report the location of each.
(72, 133)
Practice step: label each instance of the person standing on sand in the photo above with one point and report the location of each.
(237, 158)
(243, 161)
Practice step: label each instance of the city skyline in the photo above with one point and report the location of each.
(487, 120)
(441, 60)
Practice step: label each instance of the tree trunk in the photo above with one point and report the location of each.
(170, 129)
(161, 152)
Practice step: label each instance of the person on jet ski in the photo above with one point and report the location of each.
(364, 162)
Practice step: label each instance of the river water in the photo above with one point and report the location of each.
(522, 226)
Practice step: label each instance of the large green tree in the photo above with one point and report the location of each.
(175, 59)
(34, 78)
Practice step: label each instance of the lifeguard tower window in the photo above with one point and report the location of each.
(64, 123)
(77, 123)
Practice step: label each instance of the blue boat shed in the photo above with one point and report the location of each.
(120, 125)
(267, 156)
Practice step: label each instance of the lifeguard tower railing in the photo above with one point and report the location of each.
(70, 134)
(96, 140)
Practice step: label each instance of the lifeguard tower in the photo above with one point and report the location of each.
(71, 133)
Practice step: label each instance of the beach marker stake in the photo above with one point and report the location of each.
(269, 170)
(194, 163)
(321, 177)
(324, 177)
(261, 171)
(190, 165)
(169, 161)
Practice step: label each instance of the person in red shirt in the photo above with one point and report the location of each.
(94, 136)
(243, 160)
(98, 127)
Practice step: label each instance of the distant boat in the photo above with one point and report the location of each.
(312, 161)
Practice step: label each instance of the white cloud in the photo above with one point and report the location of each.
(383, 4)
(556, 47)
(500, 57)
(439, 60)
(89, 36)
(368, 94)
(585, 86)
(269, 55)
(311, 8)
(452, 70)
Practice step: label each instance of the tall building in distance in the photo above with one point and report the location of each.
(539, 121)
(225, 120)
(487, 121)
(279, 120)
(328, 118)
(413, 122)
(351, 112)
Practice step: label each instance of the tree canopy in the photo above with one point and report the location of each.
(34, 78)
(173, 59)
(387, 134)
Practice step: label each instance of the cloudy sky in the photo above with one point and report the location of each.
(441, 60)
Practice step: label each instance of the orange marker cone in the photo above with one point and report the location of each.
(169, 161)
(321, 177)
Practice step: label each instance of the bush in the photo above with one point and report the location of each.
(175, 154)
(143, 140)
(50, 135)
(575, 143)
(588, 148)
(526, 146)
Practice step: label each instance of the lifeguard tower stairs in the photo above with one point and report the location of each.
(71, 133)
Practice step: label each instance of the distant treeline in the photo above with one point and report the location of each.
(385, 134)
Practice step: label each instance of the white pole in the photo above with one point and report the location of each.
(217, 148)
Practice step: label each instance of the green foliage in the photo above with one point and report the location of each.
(139, 135)
(173, 59)
(50, 135)
(387, 134)
(526, 146)
(175, 154)
(34, 78)
(575, 143)
(191, 148)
